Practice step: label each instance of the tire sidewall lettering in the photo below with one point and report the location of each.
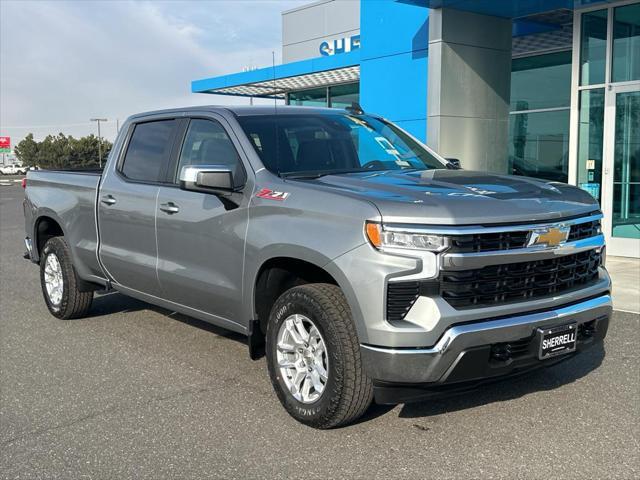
(305, 305)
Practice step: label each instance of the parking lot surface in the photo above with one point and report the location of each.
(136, 391)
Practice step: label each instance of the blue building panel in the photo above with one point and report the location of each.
(395, 87)
(501, 8)
(293, 69)
(388, 27)
(417, 128)
(393, 68)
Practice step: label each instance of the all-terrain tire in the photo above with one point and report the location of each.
(72, 303)
(348, 391)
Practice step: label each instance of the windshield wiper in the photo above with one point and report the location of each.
(295, 175)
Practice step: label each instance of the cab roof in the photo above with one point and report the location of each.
(245, 110)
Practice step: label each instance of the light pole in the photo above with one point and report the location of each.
(98, 120)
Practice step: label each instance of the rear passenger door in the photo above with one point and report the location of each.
(127, 205)
(201, 235)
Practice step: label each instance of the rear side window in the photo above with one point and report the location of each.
(149, 151)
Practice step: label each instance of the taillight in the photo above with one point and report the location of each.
(24, 182)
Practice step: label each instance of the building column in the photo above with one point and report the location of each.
(469, 72)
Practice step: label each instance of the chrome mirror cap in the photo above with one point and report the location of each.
(207, 178)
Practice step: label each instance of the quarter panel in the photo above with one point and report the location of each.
(69, 199)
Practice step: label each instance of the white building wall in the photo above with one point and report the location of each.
(305, 28)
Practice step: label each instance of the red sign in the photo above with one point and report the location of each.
(5, 142)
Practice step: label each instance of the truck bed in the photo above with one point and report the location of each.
(69, 198)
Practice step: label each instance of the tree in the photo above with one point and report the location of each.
(27, 151)
(61, 151)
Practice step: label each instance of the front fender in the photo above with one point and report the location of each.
(278, 250)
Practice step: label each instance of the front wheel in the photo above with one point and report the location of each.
(59, 284)
(313, 355)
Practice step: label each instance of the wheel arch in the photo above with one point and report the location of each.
(45, 226)
(278, 274)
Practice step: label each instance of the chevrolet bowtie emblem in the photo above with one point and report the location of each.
(549, 236)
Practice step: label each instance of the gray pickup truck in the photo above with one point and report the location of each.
(358, 261)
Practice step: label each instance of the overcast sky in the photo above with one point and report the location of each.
(63, 62)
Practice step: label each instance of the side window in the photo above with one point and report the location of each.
(149, 150)
(207, 143)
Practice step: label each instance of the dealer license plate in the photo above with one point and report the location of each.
(557, 340)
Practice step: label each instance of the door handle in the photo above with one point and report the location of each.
(169, 208)
(108, 200)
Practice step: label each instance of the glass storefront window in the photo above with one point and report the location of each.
(626, 43)
(344, 95)
(593, 48)
(340, 96)
(541, 81)
(539, 144)
(315, 97)
(539, 140)
(626, 169)
(590, 141)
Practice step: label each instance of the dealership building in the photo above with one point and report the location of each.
(543, 88)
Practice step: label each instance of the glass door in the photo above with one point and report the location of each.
(621, 189)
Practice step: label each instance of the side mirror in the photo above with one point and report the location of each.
(207, 178)
(454, 163)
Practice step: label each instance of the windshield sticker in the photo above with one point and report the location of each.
(272, 194)
(385, 144)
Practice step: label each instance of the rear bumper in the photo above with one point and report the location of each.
(466, 353)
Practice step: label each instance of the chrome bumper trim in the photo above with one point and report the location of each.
(433, 364)
(491, 325)
(465, 261)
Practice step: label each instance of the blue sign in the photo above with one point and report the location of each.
(339, 45)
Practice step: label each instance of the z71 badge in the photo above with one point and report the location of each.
(272, 194)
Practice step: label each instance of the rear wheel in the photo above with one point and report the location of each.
(59, 284)
(313, 355)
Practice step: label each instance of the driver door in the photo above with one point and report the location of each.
(201, 236)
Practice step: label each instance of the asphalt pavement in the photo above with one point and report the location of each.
(135, 391)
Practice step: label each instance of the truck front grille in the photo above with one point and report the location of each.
(584, 230)
(516, 282)
(400, 298)
(485, 242)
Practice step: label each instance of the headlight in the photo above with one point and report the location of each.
(384, 239)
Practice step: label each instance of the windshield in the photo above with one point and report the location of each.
(321, 144)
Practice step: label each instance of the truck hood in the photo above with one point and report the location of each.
(460, 197)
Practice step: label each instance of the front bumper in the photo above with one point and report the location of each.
(465, 352)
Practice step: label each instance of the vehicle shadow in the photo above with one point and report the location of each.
(499, 391)
(543, 379)
(115, 302)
